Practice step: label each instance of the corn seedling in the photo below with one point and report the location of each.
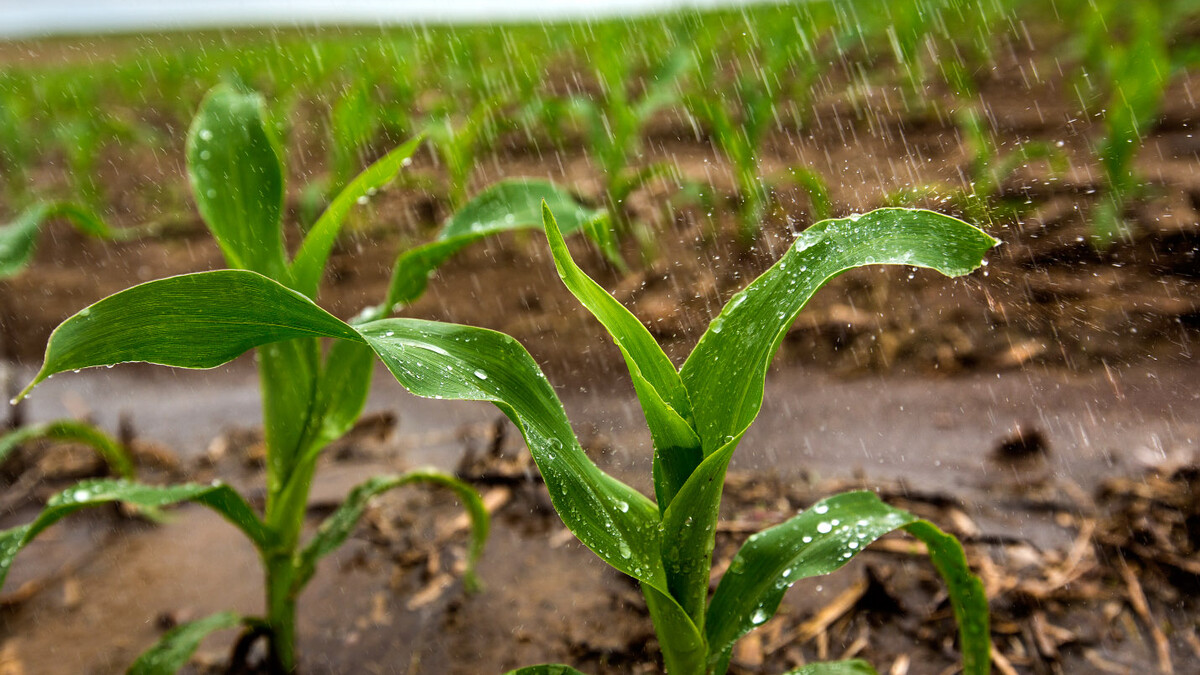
(697, 416)
(310, 396)
(981, 199)
(458, 141)
(741, 114)
(614, 121)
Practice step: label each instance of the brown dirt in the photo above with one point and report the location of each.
(1064, 564)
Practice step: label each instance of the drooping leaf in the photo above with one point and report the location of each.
(855, 667)
(821, 540)
(171, 322)
(503, 207)
(176, 646)
(442, 360)
(338, 526)
(660, 391)
(237, 179)
(309, 263)
(190, 321)
(219, 497)
(967, 595)
(815, 542)
(18, 239)
(724, 374)
(112, 452)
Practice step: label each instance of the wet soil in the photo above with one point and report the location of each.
(1043, 408)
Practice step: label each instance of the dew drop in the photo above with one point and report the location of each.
(824, 528)
(821, 508)
(481, 375)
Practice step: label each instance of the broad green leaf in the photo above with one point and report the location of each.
(309, 263)
(724, 374)
(659, 389)
(172, 651)
(967, 595)
(508, 205)
(18, 239)
(237, 179)
(205, 319)
(855, 667)
(815, 542)
(218, 497)
(338, 526)
(442, 360)
(190, 321)
(545, 669)
(112, 452)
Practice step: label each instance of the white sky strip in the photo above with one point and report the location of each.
(23, 18)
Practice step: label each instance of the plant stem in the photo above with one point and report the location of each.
(281, 609)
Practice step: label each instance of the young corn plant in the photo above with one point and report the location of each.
(697, 416)
(1139, 71)
(310, 395)
(982, 199)
(741, 114)
(613, 123)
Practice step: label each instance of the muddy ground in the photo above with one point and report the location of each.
(1083, 523)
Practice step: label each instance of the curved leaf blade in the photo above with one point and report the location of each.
(219, 497)
(441, 360)
(823, 539)
(112, 452)
(237, 179)
(340, 524)
(197, 320)
(309, 263)
(724, 374)
(659, 388)
(172, 651)
(18, 239)
(815, 542)
(967, 595)
(508, 205)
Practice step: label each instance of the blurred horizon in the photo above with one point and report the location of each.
(20, 19)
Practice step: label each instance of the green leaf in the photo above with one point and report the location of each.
(218, 497)
(683, 646)
(205, 319)
(855, 667)
(503, 207)
(967, 595)
(545, 669)
(190, 321)
(309, 263)
(338, 526)
(112, 452)
(237, 179)
(815, 542)
(442, 360)
(18, 239)
(724, 374)
(659, 388)
(172, 651)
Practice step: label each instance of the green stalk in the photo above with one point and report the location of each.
(281, 607)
